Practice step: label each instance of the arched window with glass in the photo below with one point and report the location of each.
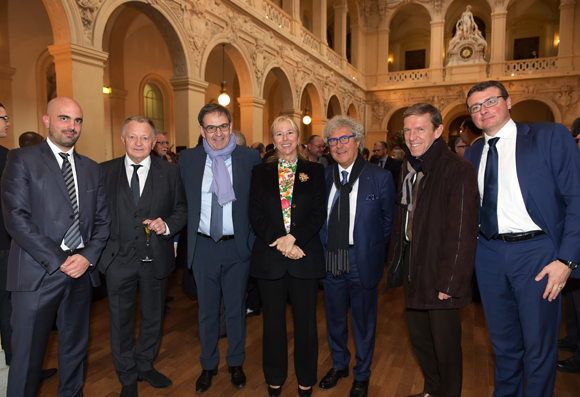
(153, 105)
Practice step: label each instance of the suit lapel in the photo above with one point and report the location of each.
(52, 165)
(363, 192)
(523, 147)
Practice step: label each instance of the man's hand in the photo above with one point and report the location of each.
(75, 266)
(443, 296)
(157, 226)
(284, 244)
(296, 253)
(558, 274)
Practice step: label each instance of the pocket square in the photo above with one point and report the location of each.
(371, 197)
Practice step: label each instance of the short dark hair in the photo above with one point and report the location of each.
(484, 85)
(366, 151)
(213, 108)
(575, 127)
(471, 126)
(420, 109)
(313, 137)
(269, 147)
(30, 138)
(383, 144)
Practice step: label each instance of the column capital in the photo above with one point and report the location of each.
(251, 101)
(6, 72)
(78, 53)
(188, 83)
(437, 23)
(498, 14)
(117, 93)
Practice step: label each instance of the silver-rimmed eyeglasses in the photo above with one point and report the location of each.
(488, 103)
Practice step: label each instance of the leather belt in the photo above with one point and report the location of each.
(224, 238)
(72, 252)
(515, 237)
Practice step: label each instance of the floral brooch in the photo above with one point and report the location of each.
(303, 177)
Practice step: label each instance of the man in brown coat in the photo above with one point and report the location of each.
(433, 247)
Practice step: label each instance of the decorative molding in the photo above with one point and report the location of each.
(88, 10)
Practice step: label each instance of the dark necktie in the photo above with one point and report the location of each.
(343, 182)
(72, 237)
(489, 227)
(381, 163)
(216, 228)
(135, 184)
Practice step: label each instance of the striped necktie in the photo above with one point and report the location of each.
(72, 237)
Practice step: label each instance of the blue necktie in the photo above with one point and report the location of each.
(381, 163)
(343, 182)
(489, 227)
(135, 184)
(72, 237)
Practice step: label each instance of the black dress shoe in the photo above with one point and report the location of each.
(238, 377)
(567, 345)
(204, 381)
(304, 392)
(274, 392)
(47, 373)
(360, 388)
(332, 377)
(570, 365)
(129, 390)
(155, 378)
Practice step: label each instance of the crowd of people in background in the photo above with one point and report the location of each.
(275, 223)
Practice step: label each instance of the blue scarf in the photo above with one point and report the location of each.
(221, 184)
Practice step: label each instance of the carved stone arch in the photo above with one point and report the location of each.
(450, 110)
(551, 105)
(44, 63)
(164, 19)
(336, 104)
(286, 85)
(352, 111)
(315, 93)
(353, 12)
(405, 4)
(65, 21)
(241, 60)
(390, 114)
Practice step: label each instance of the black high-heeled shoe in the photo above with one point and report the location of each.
(274, 392)
(304, 392)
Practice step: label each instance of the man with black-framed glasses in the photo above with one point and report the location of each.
(529, 237)
(217, 178)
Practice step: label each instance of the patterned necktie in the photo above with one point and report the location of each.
(489, 227)
(216, 226)
(72, 237)
(343, 182)
(135, 184)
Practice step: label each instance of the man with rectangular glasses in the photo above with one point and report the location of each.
(529, 237)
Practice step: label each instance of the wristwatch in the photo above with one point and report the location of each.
(570, 265)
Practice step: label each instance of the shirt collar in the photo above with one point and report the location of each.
(56, 150)
(145, 163)
(508, 131)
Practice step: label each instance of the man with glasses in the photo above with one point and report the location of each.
(161, 146)
(387, 162)
(217, 178)
(529, 237)
(360, 206)
(460, 146)
(315, 148)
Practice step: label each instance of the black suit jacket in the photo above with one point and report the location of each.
(307, 215)
(394, 166)
(4, 236)
(38, 212)
(168, 204)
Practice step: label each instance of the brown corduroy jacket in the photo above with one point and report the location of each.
(445, 228)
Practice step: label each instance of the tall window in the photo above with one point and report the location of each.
(153, 105)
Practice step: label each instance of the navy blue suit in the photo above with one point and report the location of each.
(372, 229)
(221, 267)
(38, 212)
(523, 326)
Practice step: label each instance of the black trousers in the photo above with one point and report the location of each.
(122, 282)
(5, 307)
(302, 294)
(436, 339)
(573, 313)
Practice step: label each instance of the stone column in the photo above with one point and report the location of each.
(292, 8)
(79, 75)
(319, 20)
(357, 46)
(497, 45)
(340, 11)
(317, 125)
(251, 117)
(436, 58)
(565, 48)
(382, 55)
(189, 98)
(117, 105)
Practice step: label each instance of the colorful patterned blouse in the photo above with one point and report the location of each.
(286, 176)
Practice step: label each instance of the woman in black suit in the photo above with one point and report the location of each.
(287, 209)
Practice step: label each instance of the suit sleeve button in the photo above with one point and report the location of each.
(293, 223)
(293, 205)
(72, 217)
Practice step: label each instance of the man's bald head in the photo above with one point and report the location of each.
(64, 120)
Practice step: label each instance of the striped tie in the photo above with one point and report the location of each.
(72, 237)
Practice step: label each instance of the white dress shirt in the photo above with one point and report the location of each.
(206, 197)
(512, 216)
(352, 201)
(71, 158)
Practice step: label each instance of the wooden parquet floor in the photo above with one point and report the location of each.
(395, 371)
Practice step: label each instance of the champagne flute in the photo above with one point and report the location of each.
(147, 230)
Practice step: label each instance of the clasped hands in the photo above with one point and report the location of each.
(287, 247)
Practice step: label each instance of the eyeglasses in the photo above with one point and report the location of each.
(488, 103)
(225, 127)
(320, 146)
(163, 143)
(6, 118)
(461, 146)
(377, 150)
(343, 139)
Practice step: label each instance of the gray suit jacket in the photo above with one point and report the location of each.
(38, 212)
(192, 165)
